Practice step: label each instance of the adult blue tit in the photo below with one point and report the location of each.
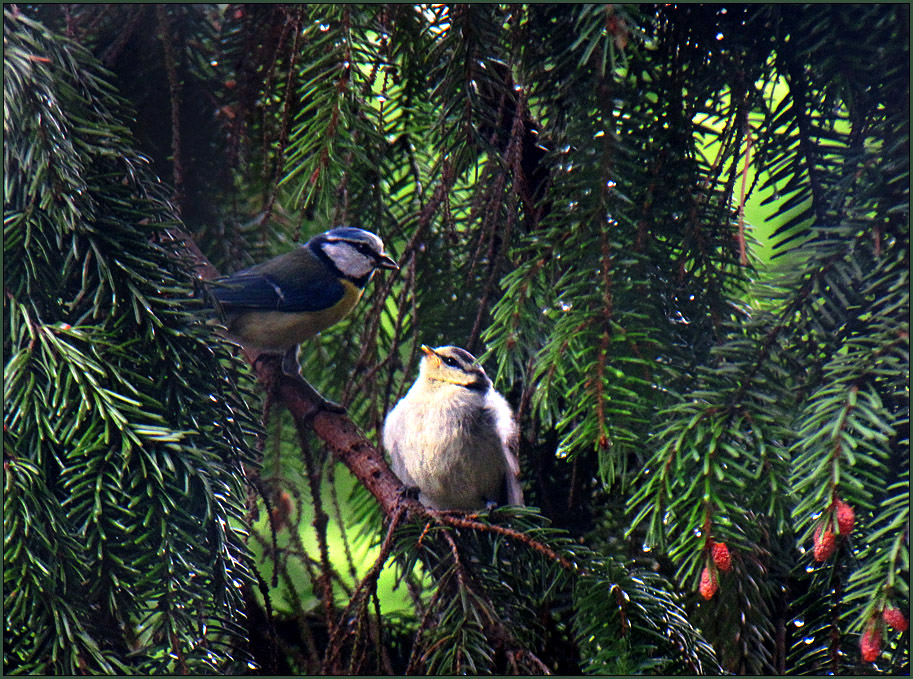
(274, 306)
(453, 436)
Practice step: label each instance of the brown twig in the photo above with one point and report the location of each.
(423, 625)
(174, 91)
(293, 27)
(324, 583)
(461, 522)
(529, 655)
(114, 50)
(334, 645)
(337, 515)
(743, 257)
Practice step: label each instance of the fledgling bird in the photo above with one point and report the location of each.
(274, 306)
(453, 436)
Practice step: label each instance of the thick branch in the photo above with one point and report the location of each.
(340, 434)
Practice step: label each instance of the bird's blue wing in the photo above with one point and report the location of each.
(254, 289)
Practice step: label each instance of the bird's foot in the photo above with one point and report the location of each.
(410, 492)
(320, 403)
(292, 368)
(290, 364)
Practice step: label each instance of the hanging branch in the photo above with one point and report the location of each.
(161, 13)
(743, 257)
(294, 27)
(334, 646)
(321, 520)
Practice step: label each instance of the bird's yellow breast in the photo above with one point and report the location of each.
(279, 330)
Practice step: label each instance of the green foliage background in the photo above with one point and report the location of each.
(123, 498)
(678, 236)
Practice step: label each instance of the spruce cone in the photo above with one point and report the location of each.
(825, 543)
(895, 618)
(846, 517)
(870, 643)
(709, 584)
(721, 557)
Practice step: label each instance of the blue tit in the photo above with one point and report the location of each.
(274, 306)
(453, 436)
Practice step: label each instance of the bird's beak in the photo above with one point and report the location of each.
(386, 262)
(431, 359)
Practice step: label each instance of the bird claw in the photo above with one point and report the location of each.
(292, 369)
(290, 364)
(332, 407)
(410, 492)
(319, 402)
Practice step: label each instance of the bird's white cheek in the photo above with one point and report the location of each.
(349, 260)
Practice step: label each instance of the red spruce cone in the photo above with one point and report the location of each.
(895, 618)
(720, 553)
(846, 517)
(709, 583)
(870, 643)
(825, 543)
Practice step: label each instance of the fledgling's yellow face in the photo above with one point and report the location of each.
(452, 365)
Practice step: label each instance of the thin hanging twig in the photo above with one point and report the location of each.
(743, 256)
(161, 13)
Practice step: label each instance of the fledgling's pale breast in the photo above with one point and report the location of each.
(452, 435)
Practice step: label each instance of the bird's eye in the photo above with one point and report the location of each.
(452, 362)
(365, 249)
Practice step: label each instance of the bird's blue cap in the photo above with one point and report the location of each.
(351, 233)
